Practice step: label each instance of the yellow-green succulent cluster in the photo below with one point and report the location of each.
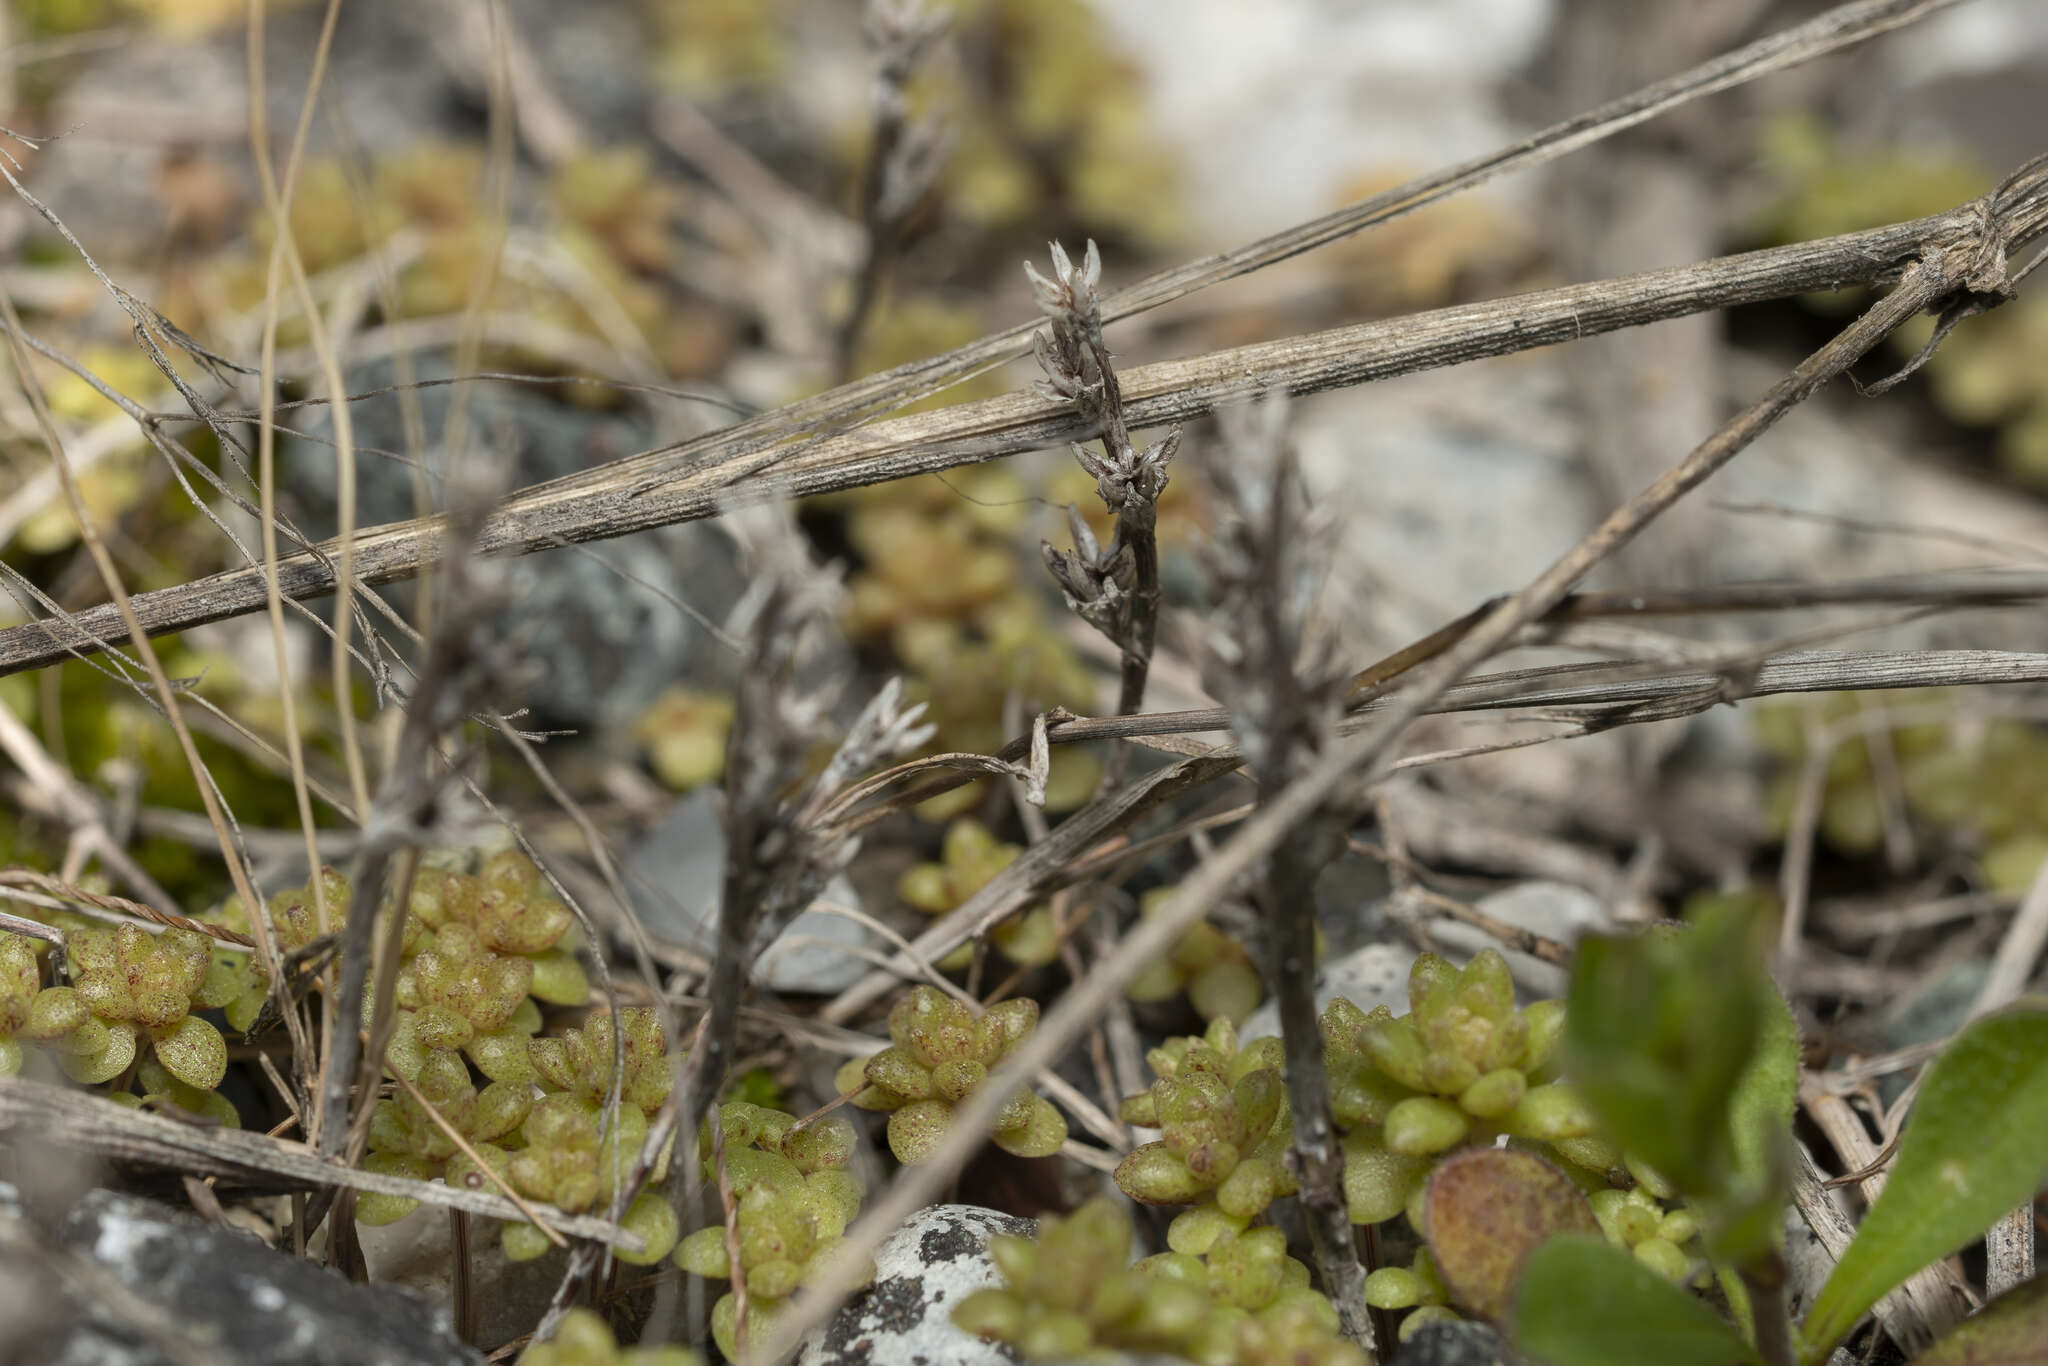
(1224, 1124)
(1463, 1067)
(1981, 784)
(969, 858)
(487, 948)
(939, 1054)
(684, 732)
(407, 1140)
(1417, 1287)
(767, 1147)
(131, 995)
(1073, 1294)
(943, 583)
(569, 1157)
(1214, 969)
(585, 1339)
(795, 1198)
(21, 988)
(563, 1151)
(236, 982)
(481, 953)
(1637, 1220)
(1059, 120)
(1992, 372)
(613, 229)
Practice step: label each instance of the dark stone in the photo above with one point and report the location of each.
(1463, 1343)
(239, 1301)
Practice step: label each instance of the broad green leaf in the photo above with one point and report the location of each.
(1760, 1109)
(1584, 1302)
(1746, 1213)
(1662, 1034)
(2012, 1330)
(1972, 1150)
(1486, 1210)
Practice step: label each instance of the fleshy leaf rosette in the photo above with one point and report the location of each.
(1222, 1115)
(582, 1061)
(138, 987)
(785, 1233)
(1463, 1067)
(1072, 1294)
(767, 1147)
(939, 1055)
(1215, 970)
(968, 858)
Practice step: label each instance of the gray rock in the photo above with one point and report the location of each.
(923, 1269)
(1374, 975)
(675, 872)
(243, 1301)
(606, 627)
(1554, 910)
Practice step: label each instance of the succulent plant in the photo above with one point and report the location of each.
(408, 1140)
(21, 980)
(1975, 784)
(1637, 1220)
(1462, 1067)
(969, 857)
(1416, 1287)
(234, 982)
(615, 196)
(684, 732)
(1073, 1294)
(1215, 970)
(939, 1055)
(1222, 1114)
(784, 1232)
(1295, 1336)
(581, 1061)
(585, 1339)
(766, 1147)
(939, 580)
(135, 987)
(487, 947)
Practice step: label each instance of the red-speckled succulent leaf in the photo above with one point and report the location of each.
(1486, 1210)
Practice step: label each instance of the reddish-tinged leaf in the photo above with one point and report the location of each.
(1487, 1209)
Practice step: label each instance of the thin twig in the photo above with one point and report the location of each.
(1268, 562)
(904, 157)
(1964, 263)
(1114, 588)
(491, 1173)
(645, 491)
(79, 1119)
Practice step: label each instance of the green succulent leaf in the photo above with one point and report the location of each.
(1971, 1151)
(194, 1052)
(1582, 1301)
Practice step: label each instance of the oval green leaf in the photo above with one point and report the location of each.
(1971, 1151)
(1583, 1302)
(1486, 1210)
